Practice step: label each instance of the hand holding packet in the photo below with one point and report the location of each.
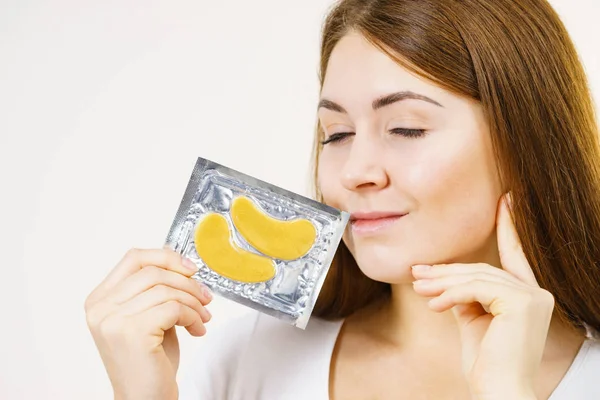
(255, 243)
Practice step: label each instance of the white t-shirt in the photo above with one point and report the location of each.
(260, 358)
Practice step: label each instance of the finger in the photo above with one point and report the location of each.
(496, 297)
(149, 277)
(512, 256)
(163, 294)
(437, 286)
(136, 259)
(464, 315)
(166, 315)
(442, 270)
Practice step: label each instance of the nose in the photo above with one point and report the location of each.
(364, 167)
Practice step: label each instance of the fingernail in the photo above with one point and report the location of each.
(420, 283)
(433, 302)
(421, 268)
(207, 293)
(189, 264)
(508, 198)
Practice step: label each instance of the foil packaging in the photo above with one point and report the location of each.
(255, 243)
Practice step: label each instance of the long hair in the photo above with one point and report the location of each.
(516, 58)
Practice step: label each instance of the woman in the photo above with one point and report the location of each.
(440, 123)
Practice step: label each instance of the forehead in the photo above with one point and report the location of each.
(358, 69)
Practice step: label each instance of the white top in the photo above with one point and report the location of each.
(257, 357)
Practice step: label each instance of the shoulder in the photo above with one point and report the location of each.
(259, 353)
(582, 380)
(589, 365)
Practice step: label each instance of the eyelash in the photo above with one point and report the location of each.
(409, 133)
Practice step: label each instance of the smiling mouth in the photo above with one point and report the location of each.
(372, 223)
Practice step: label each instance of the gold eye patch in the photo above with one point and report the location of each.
(216, 248)
(285, 240)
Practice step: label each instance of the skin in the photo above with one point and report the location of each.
(132, 316)
(474, 324)
(467, 318)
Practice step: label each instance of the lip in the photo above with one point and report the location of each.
(363, 223)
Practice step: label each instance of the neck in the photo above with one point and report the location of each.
(406, 321)
(413, 323)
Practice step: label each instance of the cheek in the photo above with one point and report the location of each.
(450, 184)
(455, 195)
(458, 170)
(328, 180)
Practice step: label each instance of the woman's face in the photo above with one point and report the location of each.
(411, 161)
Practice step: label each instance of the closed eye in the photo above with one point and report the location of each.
(336, 137)
(409, 133)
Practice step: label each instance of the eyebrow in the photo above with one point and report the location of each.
(381, 101)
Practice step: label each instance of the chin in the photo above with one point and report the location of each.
(388, 268)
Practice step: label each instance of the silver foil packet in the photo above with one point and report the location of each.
(255, 243)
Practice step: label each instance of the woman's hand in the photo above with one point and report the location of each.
(132, 316)
(502, 314)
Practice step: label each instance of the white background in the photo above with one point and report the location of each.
(104, 107)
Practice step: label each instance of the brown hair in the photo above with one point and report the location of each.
(516, 58)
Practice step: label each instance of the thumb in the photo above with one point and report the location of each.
(512, 256)
(471, 335)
